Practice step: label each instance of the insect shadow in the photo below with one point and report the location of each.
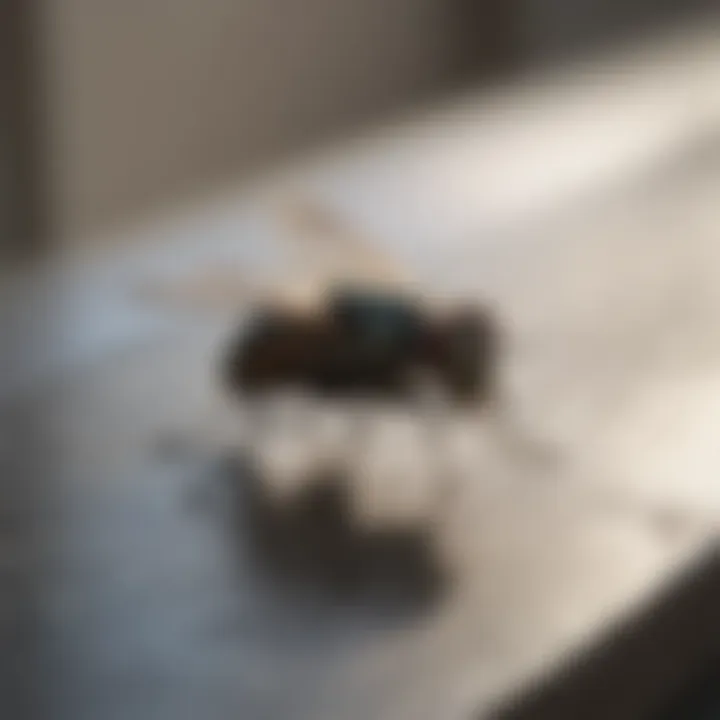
(313, 540)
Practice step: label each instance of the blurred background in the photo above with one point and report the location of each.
(113, 112)
(556, 157)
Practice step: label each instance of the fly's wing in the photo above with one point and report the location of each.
(221, 290)
(327, 252)
(337, 252)
(341, 255)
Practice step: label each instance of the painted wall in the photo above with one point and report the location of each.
(151, 99)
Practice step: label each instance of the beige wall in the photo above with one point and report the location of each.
(150, 99)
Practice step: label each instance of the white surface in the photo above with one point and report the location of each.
(611, 312)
